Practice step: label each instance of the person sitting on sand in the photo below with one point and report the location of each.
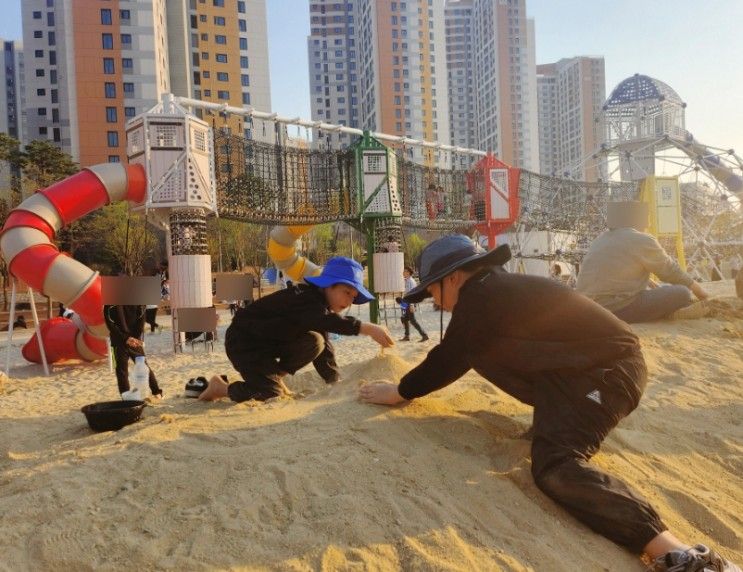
(616, 269)
(281, 333)
(578, 365)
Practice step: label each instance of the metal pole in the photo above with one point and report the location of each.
(37, 326)
(11, 319)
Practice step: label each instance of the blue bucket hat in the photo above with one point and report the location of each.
(342, 270)
(445, 255)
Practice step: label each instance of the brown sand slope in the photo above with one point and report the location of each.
(323, 482)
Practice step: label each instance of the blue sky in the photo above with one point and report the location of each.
(692, 45)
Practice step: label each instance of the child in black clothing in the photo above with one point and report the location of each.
(281, 333)
(125, 326)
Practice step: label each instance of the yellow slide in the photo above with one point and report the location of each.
(282, 250)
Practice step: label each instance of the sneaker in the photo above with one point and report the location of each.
(405, 339)
(195, 386)
(424, 338)
(696, 559)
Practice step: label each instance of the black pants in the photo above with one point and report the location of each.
(263, 377)
(408, 318)
(122, 355)
(573, 414)
(150, 316)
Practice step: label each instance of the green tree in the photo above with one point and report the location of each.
(119, 241)
(414, 245)
(43, 164)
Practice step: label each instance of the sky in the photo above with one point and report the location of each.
(694, 46)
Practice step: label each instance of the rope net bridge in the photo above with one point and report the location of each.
(267, 183)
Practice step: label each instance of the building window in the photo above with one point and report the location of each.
(126, 40)
(41, 111)
(110, 90)
(38, 34)
(55, 96)
(223, 95)
(40, 92)
(108, 41)
(42, 131)
(243, 43)
(40, 73)
(243, 25)
(241, 7)
(245, 79)
(52, 58)
(108, 66)
(204, 55)
(127, 64)
(125, 14)
(52, 38)
(220, 39)
(50, 18)
(129, 112)
(37, 15)
(111, 116)
(207, 93)
(223, 76)
(218, 3)
(219, 20)
(38, 53)
(246, 99)
(204, 37)
(57, 137)
(244, 62)
(221, 58)
(128, 88)
(106, 19)
(113, 159)
(113, 138)
(206, 73)
(53, 76)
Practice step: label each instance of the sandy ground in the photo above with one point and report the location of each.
(324, 482)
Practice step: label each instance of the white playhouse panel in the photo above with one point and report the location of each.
(388, 267)
(190, 280)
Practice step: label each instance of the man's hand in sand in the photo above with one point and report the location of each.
(381, 393)
(217, 389)
(698, 291)
(377, 333)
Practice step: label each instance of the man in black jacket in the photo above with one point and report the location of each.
(281, 333)
(577, 364)
(125, 327)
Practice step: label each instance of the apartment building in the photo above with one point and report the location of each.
(402, 78)
(571, 93)
(460, 75)
(333, 68)
(218, 52)
(11, 103)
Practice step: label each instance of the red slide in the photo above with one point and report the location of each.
(27, 247)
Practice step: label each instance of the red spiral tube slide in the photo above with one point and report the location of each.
(26, 245)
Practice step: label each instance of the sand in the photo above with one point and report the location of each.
(324, 482)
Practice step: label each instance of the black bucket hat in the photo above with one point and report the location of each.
(444, 255)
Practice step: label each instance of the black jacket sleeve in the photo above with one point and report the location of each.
(444, 364)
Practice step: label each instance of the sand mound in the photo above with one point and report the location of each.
(324, 482)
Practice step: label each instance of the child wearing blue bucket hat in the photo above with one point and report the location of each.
(281, 333)
(578, 365)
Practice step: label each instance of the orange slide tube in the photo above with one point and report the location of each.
(27, 247)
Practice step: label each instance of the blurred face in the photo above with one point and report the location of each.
(340, 297)
(406, 274)
(451, 284)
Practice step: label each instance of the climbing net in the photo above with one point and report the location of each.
(291, 184)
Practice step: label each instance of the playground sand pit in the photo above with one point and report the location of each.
(324, 482)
